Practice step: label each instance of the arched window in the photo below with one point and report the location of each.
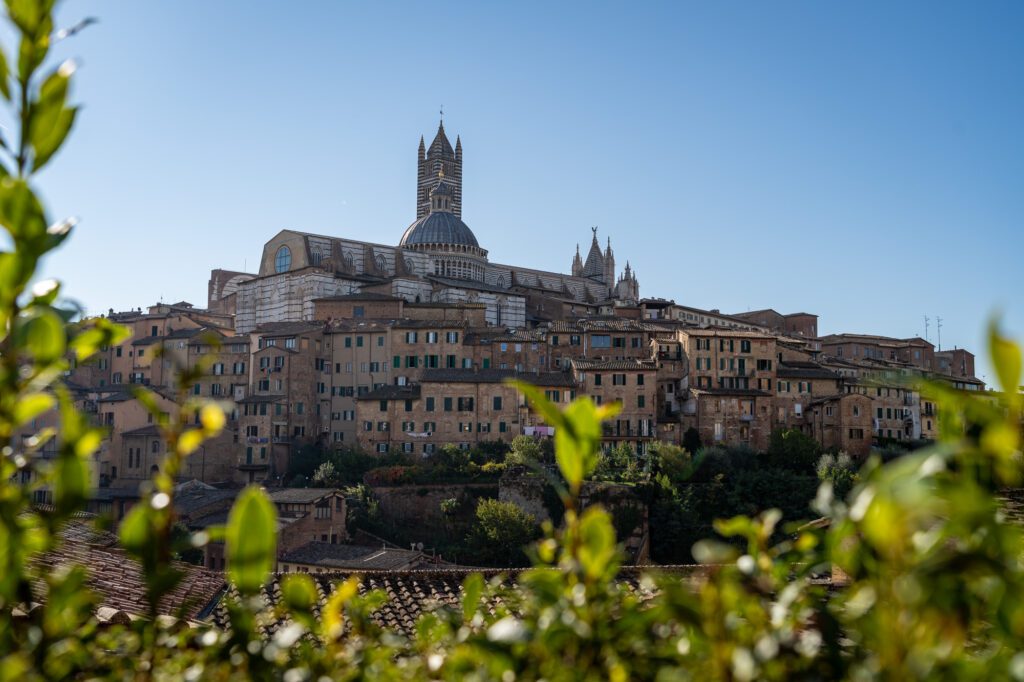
(283, 259)
(316, 256)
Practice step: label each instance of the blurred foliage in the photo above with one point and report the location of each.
(932, 581)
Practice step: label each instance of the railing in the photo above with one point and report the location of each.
(281, 440)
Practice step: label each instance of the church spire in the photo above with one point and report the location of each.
(435, 157)
(577, 263)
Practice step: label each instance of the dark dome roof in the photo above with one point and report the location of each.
(439, 227)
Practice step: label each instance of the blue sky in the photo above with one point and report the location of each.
(862, 161)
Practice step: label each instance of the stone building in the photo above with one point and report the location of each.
(793, 324)
(454, 406)
(438, 259)
(913, 351)
(289, 404)
(633, 385)
(842, 422)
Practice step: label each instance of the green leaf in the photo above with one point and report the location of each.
(251, 539)
(31, 406)
(1006, 357)
(189, 441)
(21, 213)
(597, 550)
(134, 530)
(71, 483)
(5, 76)
(46, 141)
(472, 589)
(42, 332)
(299, 592)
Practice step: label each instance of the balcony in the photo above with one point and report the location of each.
(281, 440)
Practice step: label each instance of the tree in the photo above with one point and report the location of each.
(691, 440)
(839, 470)
(501, 533)
(326, 476)
(793, 449)
(672, 461)
(525, 452)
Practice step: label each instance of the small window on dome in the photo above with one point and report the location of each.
(283, 259)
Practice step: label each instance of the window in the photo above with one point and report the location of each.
(618, 380)
(600, 341)
(283, 259)
(348, 342)
(641, 401)
(117, 351)
(496, 403)
(619, 342)
(447, 404)
(465, 404)
(382, 448)
(383, 426)
(431, 337)
(554, 340)
(574, 339)
(744, 346)
(597, 379)
(411, 337)
(380, 341)
(452, 337)
(639, 379)
(383, 406)
(299, 408)
(430, 404)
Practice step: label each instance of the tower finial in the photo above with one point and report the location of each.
(442, 114)
(594, 230)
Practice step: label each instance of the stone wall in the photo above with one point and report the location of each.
(421, 504)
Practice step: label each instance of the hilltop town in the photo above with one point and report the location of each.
(343, 345)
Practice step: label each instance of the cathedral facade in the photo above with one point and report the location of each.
(438, 259)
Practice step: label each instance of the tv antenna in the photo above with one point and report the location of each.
(926, 321)
(938, 326)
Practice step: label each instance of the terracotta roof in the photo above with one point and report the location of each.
(598, 324)
(352, 557)
(149, 430)
(261, 399)
(412, 593)
(496, 376)
(275, 328)
(632, 365)
(411, 392)
(747, 392)
(299, 495)
(725, 331)
(117, 579)
(803, 370)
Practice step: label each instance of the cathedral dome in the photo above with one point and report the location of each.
(439, 227)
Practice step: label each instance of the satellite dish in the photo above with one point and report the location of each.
(419, 546)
